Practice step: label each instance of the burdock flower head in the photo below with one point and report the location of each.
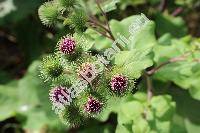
(119, 84)
(59, 95)
(67, 45)
(52, 67)
(78, 20)
(93, 105)
(87, 70)
(48, 13)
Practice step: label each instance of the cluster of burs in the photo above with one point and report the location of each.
(81, 83)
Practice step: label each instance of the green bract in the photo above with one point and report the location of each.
(48, 13)
(52, 67)
(67, 3)
(72, 116)
(78, 20)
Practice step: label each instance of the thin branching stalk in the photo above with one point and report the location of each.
(172, 60)
(177, 11)
(163, 5)
(106, 19)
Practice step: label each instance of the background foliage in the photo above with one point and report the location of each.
(24, 104)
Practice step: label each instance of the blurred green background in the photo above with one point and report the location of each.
(24, 104)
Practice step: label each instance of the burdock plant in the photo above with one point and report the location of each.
(52, 67)
(71, 63)
(48, 13)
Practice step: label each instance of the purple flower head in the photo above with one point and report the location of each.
(59, 95)
(119, 83)
(67, 45)
(87, 69)
(93, 105)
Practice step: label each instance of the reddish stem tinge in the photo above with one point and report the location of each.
(172, 60)
(177, 11)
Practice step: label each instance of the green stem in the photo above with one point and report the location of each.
(149, 87)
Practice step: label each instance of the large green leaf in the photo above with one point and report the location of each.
(136, 40)
(183, 73)
(133, 62)
(186, 107)
(130, 111)
(8, 102)
(114, 104)
(141, 126)
(39, 113)
(138, 57)
(122, 129)
(135, 115)
(135, 34)
(163, 107)
(100, 42)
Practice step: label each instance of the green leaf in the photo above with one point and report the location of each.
(132, 110)
(138, 58)
(114, 104)
(100, 42)
(163, 107)
(8, 102)
(133, 62)
(4, 77)
(110, 5)
(101, 129)
(29, 97)
(135, 34)
(169, 24)
(106, 5)
(125, 3)
(191, 127)
(34, 96)
(122, 129)
(178, 125)
(163, 126)
(183, 73)
(140, 126)
(186, 108)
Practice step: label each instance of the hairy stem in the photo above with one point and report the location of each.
(100, 32)
(172, 60)
(95, 21)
